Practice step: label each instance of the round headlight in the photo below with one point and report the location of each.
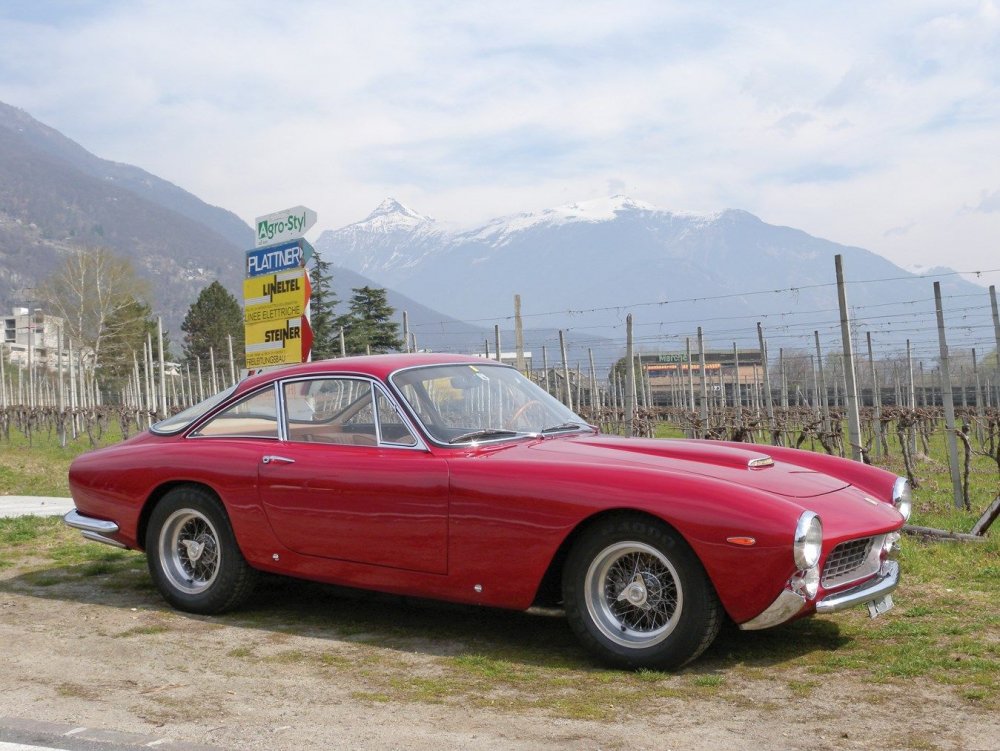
(902, 497)
(808, 540)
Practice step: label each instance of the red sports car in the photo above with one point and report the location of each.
(457, 478)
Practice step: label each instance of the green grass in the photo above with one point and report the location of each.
(942, 632)
(40, 466)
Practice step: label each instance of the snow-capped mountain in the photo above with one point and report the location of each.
(392, 236)
(585, 265)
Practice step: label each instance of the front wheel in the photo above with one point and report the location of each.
(192, 553)
(637, 596)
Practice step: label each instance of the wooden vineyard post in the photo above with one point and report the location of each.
(947, 398)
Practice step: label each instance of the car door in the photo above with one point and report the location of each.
(350, 479)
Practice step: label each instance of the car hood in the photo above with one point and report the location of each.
(691, 457)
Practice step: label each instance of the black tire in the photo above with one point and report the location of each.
(192, 553)
(637, 596)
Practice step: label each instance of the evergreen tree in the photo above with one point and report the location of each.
(128, 328)
(213, 317)
(322, 301)
(366, 324)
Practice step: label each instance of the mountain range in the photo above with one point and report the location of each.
(585, 265)
(56, 198)
(579, 268)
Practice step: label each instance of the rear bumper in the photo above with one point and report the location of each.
(98, 530)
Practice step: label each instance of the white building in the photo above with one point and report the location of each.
(25, 330)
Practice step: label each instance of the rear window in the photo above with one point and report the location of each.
(181, 420)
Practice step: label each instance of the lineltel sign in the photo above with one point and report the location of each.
(284, 225)
(273, 296)
(272, 259)
(276, 318)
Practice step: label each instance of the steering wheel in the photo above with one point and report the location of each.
(520, 411)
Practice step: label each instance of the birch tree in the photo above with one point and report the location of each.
(90, 292)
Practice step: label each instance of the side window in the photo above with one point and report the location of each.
(253, 417)
(331, 410)
(390, 424)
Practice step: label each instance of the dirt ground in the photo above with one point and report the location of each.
(306, 667)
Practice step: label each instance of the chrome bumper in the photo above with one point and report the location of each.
(886, 581)
(789, 604)
(97, 530)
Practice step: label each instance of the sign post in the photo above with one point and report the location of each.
(276, 290)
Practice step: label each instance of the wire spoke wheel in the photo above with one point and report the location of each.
(633, 594)
(189, 551)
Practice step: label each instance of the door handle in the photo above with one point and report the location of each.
(281, 459)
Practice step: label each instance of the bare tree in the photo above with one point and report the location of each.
(90, 291)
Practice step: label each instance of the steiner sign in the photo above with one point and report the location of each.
(282, 342)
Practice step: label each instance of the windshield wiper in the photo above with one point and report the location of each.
(484, 433)
(565, 426)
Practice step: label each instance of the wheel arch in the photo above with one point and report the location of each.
(158, 494)
(549, 592)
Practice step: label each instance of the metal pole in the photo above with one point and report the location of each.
(518, 335)
(876, 400)
(704, 384)
(738, 391)
(824, 403)
(232, 360)
(996, 322)
(687, 345)
(163, 369)
(565, 366)
(768, 404)
(630, 377)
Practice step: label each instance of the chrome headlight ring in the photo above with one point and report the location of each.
(902, 497)
(808, 541)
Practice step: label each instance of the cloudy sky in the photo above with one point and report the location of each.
(871, 124)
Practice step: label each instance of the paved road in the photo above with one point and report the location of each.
(36, 735)
(26, 505)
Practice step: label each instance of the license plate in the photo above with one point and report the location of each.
(879, 606)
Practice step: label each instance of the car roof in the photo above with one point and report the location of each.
(378, 366)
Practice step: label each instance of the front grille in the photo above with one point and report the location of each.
(850, 561)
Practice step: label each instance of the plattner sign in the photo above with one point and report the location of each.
(271, 259)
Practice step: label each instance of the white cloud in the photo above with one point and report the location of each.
(847, 120)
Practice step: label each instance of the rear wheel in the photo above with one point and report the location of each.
(637, 596)
(192, 553)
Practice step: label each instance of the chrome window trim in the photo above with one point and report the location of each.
(226, 393)
(192, 434)
(401, 400)
(374, 384)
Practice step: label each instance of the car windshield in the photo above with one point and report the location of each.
(466, 403)
(181, 420)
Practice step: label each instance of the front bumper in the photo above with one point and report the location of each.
(882, 584)
(789, 604)
(98, 530)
